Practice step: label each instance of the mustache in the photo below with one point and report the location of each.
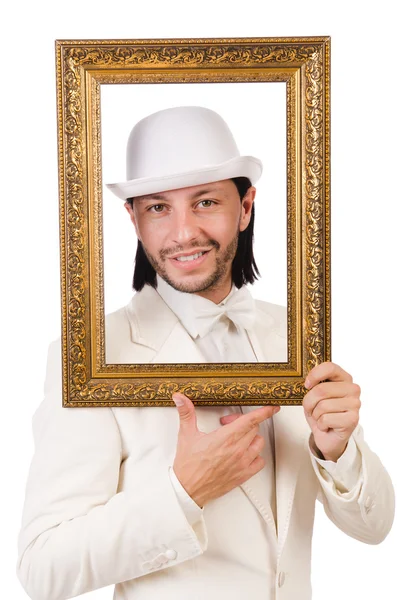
(196, 244)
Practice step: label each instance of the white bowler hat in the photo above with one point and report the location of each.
(181, 147)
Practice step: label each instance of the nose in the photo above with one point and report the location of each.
(185, 225)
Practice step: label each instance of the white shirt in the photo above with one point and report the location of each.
(226, 342)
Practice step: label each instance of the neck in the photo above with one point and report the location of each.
(217, 293)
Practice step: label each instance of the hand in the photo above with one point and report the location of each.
(331, 408)
(210, 465)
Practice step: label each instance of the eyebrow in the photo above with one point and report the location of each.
(162, 197)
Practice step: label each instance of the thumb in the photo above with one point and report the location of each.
(187, 413)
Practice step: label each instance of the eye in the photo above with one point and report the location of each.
(206, 203)
(157, 208)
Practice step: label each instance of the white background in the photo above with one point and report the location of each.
(363, 227)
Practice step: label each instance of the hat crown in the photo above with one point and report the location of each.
(177, 140)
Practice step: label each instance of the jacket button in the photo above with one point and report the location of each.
(281, 578)
(171, 554)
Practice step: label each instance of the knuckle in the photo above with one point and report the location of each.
(316, 414)
(329, 366)
(318, 410)
(307, 402)
(184, 417)
(185, 412)
(230, 440)
(253, 449)
(328, 369)
(255, 429)
(239, 454)
(260, 443)
(257, 442)
(316, 394)
(320, 391)
(252, 422)
(356, 389)
(257, 465)
(335, 370)
(246, 461)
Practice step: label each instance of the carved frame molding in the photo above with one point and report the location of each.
(82, 66)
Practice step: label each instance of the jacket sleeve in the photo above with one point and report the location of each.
(78, 532)
(364, 510)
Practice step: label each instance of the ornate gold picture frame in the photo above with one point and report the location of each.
(83, 66)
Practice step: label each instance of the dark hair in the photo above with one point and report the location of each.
(244, 268)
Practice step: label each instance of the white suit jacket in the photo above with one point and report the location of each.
(100, 508)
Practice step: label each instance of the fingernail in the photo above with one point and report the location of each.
(276, 409)
(308, 384)
(178, 399)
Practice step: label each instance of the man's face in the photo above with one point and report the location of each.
(190, 235)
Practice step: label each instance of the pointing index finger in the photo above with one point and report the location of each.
(250, 420)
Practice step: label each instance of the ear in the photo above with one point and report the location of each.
(130, 211)
(246, 208)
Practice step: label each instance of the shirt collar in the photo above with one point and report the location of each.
(186, 306)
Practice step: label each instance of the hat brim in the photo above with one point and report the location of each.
(241, 166)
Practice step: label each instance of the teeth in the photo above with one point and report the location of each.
(192, 257)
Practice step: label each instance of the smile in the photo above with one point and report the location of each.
(191, 257)
(187, 262)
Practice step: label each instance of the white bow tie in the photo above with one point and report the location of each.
(239, 308)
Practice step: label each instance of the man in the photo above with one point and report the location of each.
(209, 502)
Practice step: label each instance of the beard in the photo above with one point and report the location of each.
(211, 281)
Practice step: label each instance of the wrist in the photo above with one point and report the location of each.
(332, 455)
(335, 455)
(189, 488)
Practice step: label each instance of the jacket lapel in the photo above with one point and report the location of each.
(269, 336)
(178, 348)
(154, 325)
(269, 341)
(291, 431)
(256, 492)
(151, 320)
(268, 347)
